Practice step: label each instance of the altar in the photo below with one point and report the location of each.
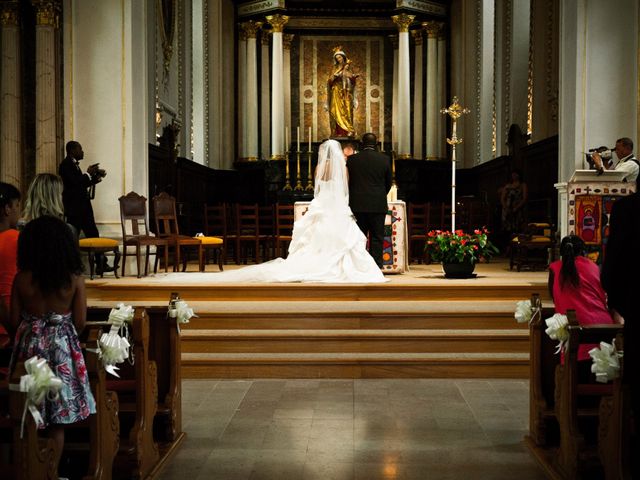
(586, 201)
(394, 249)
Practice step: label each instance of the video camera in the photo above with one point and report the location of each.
(606, 154)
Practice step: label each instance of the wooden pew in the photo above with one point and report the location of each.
(104, 426)
(165, 350)
(137, 394)
(543, 427)
(575, 400)
(31, 457)
(615, 428)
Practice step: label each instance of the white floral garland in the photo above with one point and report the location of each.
(113, 348)
(606, 361)
(39, 383)
(557, 330)
(524, 311)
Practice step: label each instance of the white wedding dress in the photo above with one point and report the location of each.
(327, 245)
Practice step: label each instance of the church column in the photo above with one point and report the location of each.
(417, 94)
(287, 39)
(10, 96)
(46, 89)
(265, 97)
(433, 107)
(394, 97)
(242, 91)
(441, 93)
(404, 82)
(277, 87)
(251, 93)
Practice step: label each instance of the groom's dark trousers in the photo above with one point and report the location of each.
(369, 182)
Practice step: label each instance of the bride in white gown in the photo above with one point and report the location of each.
(327, 244)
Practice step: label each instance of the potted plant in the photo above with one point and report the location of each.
(459, 251)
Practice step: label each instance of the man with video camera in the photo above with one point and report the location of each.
(77, 199)
(626, 163)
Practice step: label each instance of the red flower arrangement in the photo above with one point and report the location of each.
(458, 246)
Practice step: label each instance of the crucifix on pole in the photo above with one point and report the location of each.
(455, 111)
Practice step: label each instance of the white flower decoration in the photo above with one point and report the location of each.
(557, 330)
(606, 362)
(523, 312)
(181, 311)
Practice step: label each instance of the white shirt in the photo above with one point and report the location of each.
(628, 166)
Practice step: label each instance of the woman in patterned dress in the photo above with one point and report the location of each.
(48, 308)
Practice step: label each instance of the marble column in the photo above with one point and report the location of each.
(394, 96)
(433, 106)
(403, 123)
(265, 98)
(251, 94)
(417, 94)
(242, 91)
(287, 39)
(10, 96)
(46, 86)
(277, 87)
(442, 94)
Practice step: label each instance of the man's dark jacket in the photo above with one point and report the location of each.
(369, 181)
(75, 195)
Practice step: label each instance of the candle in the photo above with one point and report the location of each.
(286, 139)
(298, 138)
(309, 138)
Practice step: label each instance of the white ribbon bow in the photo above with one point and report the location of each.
(39, 383)
(113, 348)
(181, 311)
(523, 312)
(557, 330)
(606, 362)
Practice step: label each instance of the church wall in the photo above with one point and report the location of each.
(598, 78)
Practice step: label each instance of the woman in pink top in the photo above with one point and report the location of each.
(574, 284)
(9, 215)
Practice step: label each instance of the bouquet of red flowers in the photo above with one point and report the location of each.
(458, 246)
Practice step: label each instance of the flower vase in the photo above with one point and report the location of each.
(459, 270)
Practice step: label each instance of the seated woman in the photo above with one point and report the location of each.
(9, 215)
(574, 284)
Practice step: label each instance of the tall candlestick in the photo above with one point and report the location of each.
(309, 139)
(286, 139)
(298, 136)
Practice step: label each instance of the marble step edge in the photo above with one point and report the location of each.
(453, 334)
(343, 358)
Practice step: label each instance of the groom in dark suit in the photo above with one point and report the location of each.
(369, 182)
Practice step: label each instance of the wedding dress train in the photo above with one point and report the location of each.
(327, 245)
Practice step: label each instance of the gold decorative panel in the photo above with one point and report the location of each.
(316, 65)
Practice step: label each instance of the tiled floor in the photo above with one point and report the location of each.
(354, 429)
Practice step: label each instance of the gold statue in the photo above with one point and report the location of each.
(341, 98)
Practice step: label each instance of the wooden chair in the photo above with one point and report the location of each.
(534, 248)
(93, 245)
(284, 229)
(418, 225)
(215, 232)
(267, 228)
(135, 232)
(166, 222)
(248, 231)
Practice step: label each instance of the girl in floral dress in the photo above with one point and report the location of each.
(48, 308)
